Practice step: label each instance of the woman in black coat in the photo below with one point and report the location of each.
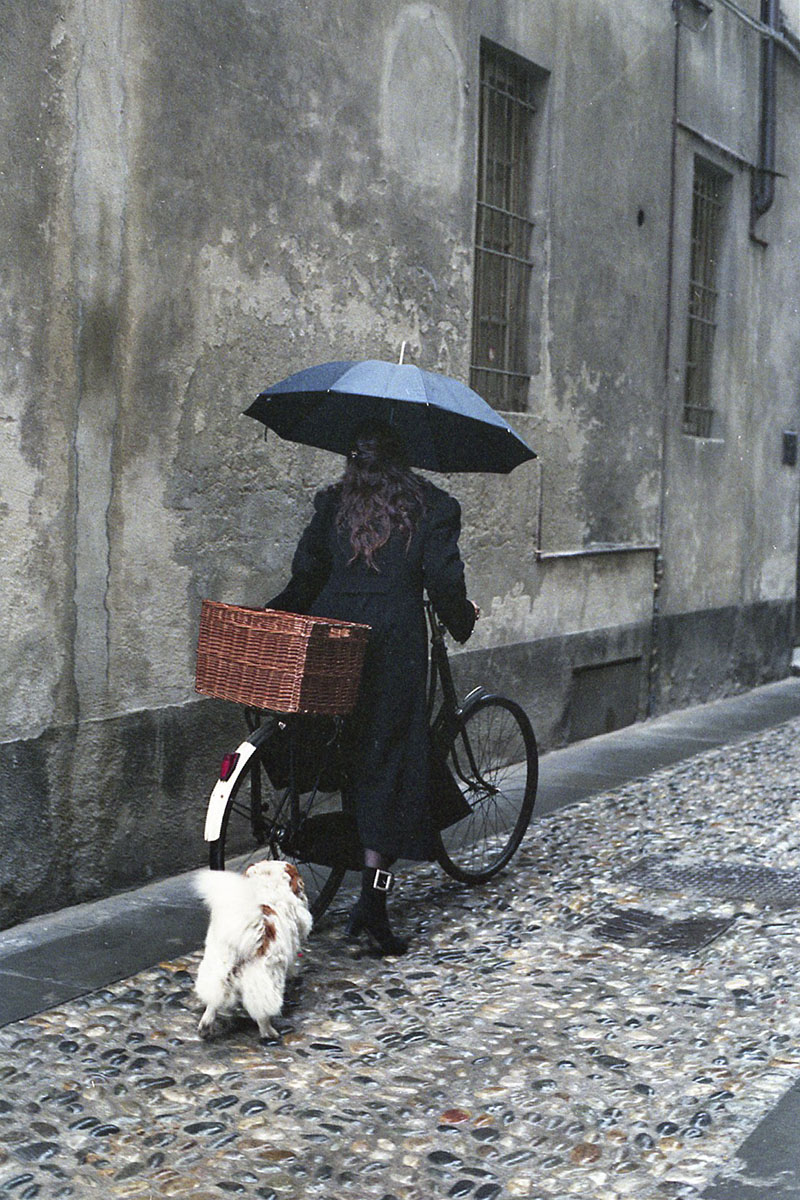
(376, 540)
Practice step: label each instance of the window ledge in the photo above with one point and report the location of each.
(703, 441)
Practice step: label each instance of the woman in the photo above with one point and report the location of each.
(376, 540)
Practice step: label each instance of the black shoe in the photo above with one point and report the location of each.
(369, 915)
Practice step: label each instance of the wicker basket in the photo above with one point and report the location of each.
(278, 660)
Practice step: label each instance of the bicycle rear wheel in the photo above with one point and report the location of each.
(253, 829)
(494, 760)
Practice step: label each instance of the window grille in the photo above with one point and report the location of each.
(499, 370)
(708, 203)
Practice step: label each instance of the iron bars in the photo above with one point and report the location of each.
(499, 369)
(708, 204)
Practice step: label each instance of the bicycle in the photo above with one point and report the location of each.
(487, 744)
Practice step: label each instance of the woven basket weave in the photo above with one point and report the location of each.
(277, 660)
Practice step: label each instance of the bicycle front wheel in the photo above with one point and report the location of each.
(257, 827)
(495, 762)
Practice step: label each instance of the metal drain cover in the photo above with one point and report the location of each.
(766, 886)
(635, 927)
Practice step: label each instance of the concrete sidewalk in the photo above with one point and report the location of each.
(56, 957)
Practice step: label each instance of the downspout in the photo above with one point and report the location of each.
(763, 184)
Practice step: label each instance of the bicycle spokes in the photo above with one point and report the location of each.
(493, 758)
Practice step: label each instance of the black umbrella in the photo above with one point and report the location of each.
(444, 424)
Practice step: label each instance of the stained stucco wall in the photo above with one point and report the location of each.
(731, 512)
(199, 199)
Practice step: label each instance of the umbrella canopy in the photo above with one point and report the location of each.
(444, 424)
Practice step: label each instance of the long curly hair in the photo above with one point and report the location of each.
(379, 494)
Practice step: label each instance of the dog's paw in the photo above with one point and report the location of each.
(207, 1026)
(283, 1026)
(267, 1032)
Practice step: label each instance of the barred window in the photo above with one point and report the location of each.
(708, 210)
(500, 369)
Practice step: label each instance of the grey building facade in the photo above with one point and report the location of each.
(590, 209)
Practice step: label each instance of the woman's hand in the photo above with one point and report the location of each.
(477, 610)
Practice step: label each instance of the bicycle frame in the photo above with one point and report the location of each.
(443, 726)
(477, 836)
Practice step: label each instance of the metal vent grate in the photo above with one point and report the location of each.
(635, 927)
(765, 886)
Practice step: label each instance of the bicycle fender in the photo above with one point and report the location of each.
(220, 796)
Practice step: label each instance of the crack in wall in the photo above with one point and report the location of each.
(98, 198)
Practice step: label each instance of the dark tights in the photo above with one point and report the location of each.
(372, 858)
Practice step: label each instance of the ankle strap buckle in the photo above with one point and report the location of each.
(382, 881)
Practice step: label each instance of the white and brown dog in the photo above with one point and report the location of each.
(258, 924)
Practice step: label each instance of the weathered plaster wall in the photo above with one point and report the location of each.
(37, 320)
(197, 199)
(731, 505)
(327, 225)
(601, 187)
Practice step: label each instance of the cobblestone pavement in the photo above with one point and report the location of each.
(573, 1029)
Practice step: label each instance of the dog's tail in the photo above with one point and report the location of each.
(224, 889)
(236, 927)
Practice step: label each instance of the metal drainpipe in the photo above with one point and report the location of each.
(763, 187)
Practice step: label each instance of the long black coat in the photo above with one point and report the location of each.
(388, 731)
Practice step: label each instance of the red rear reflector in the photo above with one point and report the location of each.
(228, 766)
